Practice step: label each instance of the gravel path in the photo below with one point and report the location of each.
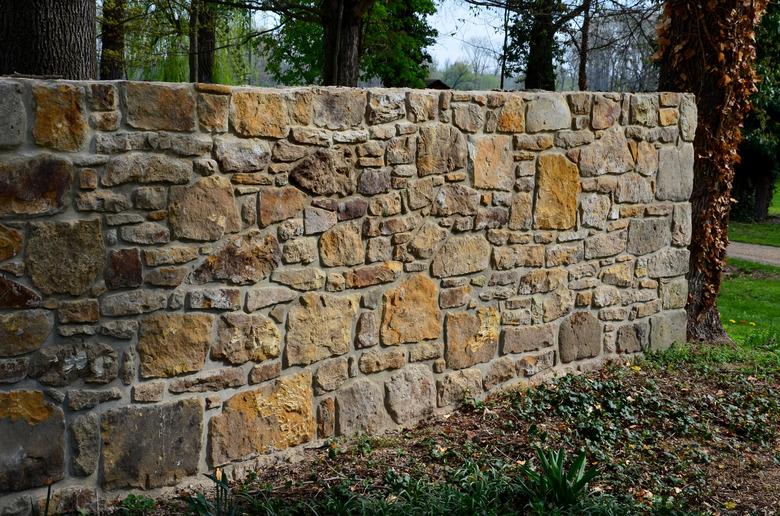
(755, 253)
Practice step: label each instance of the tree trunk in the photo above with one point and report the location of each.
(342, 22)
(48, 37)
(582, 76)
(112, 56)
(708, 48)
(540, 73)
(763, 196)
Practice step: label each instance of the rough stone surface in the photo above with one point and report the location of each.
(461, 255)
(411, 312)
(607, 155)
(172, 344)
(205, 210)
(411, 394)
(32, 450)
(579, 337)
(13, 123)
(471, 338)
(455, 387)
(492, 162)
(160, 106)
(278, 204)
(342, 245)
(320, 174)
(85, 435)
(241, 338)
(319, 327)
(34, 186)
(24, 331)
(148, 447)
(648, 235)
(255, 113)
(241, 155)
(667, 328)
(241, 260)
(274, 416)
(360, 408)
(372, 254)
(547, 113)
(60, 122)
(675, 173)
(528, 338)
(556, 196)
(440, 149)
(146, 168)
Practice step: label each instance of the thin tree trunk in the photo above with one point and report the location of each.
(48, 37)
(504, 47)
(207, 42)
(112, 56)
(708, 48)
(195, 7)
(763, 197)
(582, 77)
(342, 22)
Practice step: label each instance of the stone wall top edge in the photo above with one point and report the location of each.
(204, 87)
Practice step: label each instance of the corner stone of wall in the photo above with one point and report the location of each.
(197, 275)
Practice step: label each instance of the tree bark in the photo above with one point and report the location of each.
(342, 23)
(112, 55)
(540, 73)
(582, 72)
(48, 37)
(763, 196)
(707, 48)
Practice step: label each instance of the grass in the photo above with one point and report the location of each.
(774, 208)
(766, 233)
(749, 304)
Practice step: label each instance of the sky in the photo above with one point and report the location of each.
(458, 26)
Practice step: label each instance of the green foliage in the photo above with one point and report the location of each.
(395, 35)
(294, 54)
(136, 505)
(157, 42)
(760, 148)
(224, 503)
(556, 485)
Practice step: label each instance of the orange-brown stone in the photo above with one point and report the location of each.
(558, 183)
(256, 113)
(272, 417)
(60, 122)
(411, 312)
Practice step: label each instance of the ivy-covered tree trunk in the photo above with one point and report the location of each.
(48, 37)
(540, 73)
(342, 23)
(708, 48)
(112, 28)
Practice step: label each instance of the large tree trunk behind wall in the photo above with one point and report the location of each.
(342, 22)
(708, 48)
(48, 37)
(112, 55)
(540, 73)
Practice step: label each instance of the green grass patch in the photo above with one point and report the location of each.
(763, 234)
(749, 306)
(774, 208)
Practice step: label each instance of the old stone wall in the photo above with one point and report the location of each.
(195, 275)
